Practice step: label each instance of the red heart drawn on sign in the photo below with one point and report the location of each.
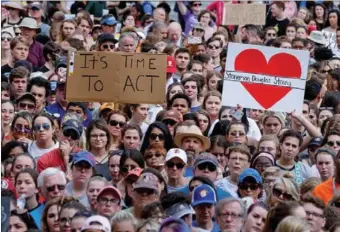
(279, 65)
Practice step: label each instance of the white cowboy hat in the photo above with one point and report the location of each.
(13, 5)
(318, 37)
(192, 131)
(30, 23)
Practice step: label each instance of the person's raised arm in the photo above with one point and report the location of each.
(182, 7)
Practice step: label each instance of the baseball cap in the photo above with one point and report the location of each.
(173, 115)
(325, 150)
(170, 65)
(176, 152)
(25, 64)
(250, 172)
(198, 26)
(61, 62)
(203, 194)
(108, 20)
(179, 210)
(317, 141)
(26, 96)
(83, 156)
(75, 125)
(134, 172)
(36, 5)
(106, 37)
(206, 157)
(147, 181)
(110, 189)
(97, 222)
(104, 106)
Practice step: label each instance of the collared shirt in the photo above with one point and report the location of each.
(35, 55)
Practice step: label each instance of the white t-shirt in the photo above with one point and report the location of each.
(254, 131)
(227, 186)
(36, 152)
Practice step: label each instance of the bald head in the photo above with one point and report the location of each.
(174, 31)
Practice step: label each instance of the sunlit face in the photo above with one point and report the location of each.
(175, 90)
(237, 163)
(93, 189)
(205, 19)
(16, 224)
(19, 86)
(98, 139)
(141, 112)
(197, 68)
(85, 27)
(203, 122)
(333, 19)
(68, 29)
(213, 105)
(154, 158)
(256, 114)
(53, 218)
(116, 121)
(181, 105)
(182, 61)
(107, 204)
(190, 89)
(302, 14)
(289, 148)
(5, 41)
(214, 48)
(131, 139)
(123, 226)
(192, 145)
(319, 11)
(226, 115)
(43, 129)
(128, 44)
(7, 113)
(21, 163)
(212, 83)
(230, 218)
(77, 223)
(66, 218)
(237, 134)
(21, 129)
(272, 125)
(333, 141)
(39, 94)
(129, 21)
(286, 45)
(301, 33)
(25, 185)
(156, 137)
(268, 146)
(325, 165)
(324, 115)
(175, 168)
(291, 32)
(270, 34)
(256, 219)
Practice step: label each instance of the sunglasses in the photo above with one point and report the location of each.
(244, 186)
(6, 39)
(336, 204)
(44, 126)
(115, 123)
(150, 155)
(127, 168)
(271, 34)
(213, 47)
(172, 164)
(208, 166)
(26, 106)
(154, 136)
(52, 188)
(71, 133)
(197, 4)
(143, 191)
(332, 143)
(169, 122)
(111, 46)
(279, 193)
(326, 71)
(22, 128)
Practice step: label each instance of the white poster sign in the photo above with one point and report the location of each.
(260, 77)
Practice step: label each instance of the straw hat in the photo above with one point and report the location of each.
(13, 5)
(192, 131)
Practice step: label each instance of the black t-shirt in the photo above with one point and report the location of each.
(5, 69)
(280, 24)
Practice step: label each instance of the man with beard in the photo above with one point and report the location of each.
(314, 208)
(182, 58)
(326, 190)
(190, 139)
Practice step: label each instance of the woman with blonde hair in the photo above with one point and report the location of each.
(308, 186)
(269, 143)
(123, 221)
(293, 224)
(283, 189)
(147, 225)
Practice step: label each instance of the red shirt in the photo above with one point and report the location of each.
(52, 159)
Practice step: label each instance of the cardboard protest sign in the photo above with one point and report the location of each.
(241, 14)
(116, 77)
(267, 78)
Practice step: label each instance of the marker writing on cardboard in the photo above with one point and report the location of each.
(91, 62)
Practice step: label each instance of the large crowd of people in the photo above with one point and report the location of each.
(189, 164)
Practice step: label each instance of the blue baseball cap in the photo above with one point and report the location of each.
(317, 141)
(83, 156)
(206, 157)
(108, 20)
(203, 194)
(250, 172)
(73, 124)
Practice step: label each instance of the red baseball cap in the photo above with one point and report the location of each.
(171, 65)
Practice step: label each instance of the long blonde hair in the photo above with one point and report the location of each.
(293, 224)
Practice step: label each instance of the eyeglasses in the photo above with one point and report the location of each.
(44, 126)
(150, 155)
(332, 143)
(22, 128)
(65, 220)
(233, 216)
(213, 47)
(115, 123)
(245, 186)
(104, 201)
(241, 134)
(111, 46)
(169, 122)
(143, 191)
(209, 166)
(279, 193)
(197, 4)
(154, 136)
(172, 165)
(58, 186)
(81, 167)
(6, 39)
(308, 213)
(71, 133)
(101, 136)
(26, 106)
